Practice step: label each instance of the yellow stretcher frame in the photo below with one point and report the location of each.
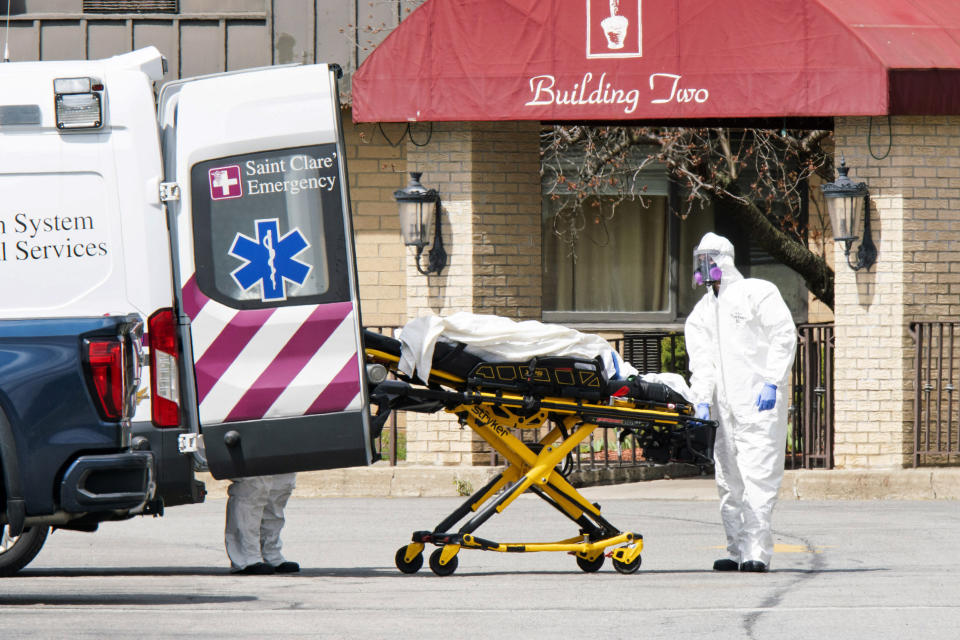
(494, 416)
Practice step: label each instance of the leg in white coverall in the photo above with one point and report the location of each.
(747, 501)
(255, 507)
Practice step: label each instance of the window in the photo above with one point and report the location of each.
(278, 215)
(630, 262)
(129, 6)
(618, 261)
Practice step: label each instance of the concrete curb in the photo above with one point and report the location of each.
(603, 476)
(894, 484)
(403, 481)
(379, 481)
(410, 481)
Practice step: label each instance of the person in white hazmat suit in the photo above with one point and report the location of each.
(741, 341)
(255, 517)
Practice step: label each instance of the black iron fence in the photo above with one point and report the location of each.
(810, 435)
(810, 440)
(648, 352)
(936, 364)
(392, 444)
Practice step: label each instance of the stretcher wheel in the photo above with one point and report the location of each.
(626, 568)
(439, 569)
(590, 566)
(407, 567)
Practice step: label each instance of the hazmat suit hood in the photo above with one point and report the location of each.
(722, 251)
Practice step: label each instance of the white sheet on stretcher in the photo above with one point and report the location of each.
(673, 380)
(498, 338)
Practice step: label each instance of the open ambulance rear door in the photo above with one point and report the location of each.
(269, 354)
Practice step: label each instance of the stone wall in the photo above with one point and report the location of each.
(506, 220)
(915, 212)
(376, 169)
(488, 178)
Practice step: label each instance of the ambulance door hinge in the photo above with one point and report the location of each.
(189, 442)
(169, 191)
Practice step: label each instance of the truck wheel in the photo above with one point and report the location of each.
(16, 552)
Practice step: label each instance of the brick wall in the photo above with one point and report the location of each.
(375, 170)
(506, 220)
(488, 178)
(915, 202)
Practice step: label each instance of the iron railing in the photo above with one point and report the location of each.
(810, 438)
(936, 363)
(809, 445)
(391, 445)
(648, 352)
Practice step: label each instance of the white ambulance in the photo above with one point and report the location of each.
(210, 225)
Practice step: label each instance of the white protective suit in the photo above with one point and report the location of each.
(255, 517)
(737, 341)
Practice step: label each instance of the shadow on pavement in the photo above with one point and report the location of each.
(358, 572)
(115, 599)
(390, 572)
(102, 572)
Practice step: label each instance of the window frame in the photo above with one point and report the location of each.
(335, 229)
(139, 7)
(626, 319)
(671, 317)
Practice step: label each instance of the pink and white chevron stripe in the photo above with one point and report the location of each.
(272, 363)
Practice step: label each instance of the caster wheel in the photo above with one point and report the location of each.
(627, 567)
(589, 566)
(407, 567)
(442, 570)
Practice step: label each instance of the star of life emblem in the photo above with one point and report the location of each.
(270, 260)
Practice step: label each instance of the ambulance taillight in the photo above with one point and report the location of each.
(104, 360)
(164, 372)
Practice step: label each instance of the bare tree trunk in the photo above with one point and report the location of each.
(812, 267)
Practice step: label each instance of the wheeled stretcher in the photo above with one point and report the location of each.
(568, 398)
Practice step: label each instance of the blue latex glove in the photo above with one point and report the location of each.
(767, 398)
(703, 411)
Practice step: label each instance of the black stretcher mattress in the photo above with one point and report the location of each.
(542, 376)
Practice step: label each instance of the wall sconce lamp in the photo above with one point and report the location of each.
(418, 205)
(847, 201)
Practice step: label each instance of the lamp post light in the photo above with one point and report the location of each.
(847, 202)
(418, 207)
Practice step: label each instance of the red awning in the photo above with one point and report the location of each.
(576, 60)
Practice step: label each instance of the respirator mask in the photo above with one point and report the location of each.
(705, 269)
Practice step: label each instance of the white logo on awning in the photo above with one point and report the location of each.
(614, 29)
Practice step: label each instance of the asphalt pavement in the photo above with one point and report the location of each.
(842, 569)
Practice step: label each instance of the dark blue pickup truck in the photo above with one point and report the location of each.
(70, 457)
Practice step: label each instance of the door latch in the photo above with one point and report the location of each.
(169, 191)
(190, 442)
